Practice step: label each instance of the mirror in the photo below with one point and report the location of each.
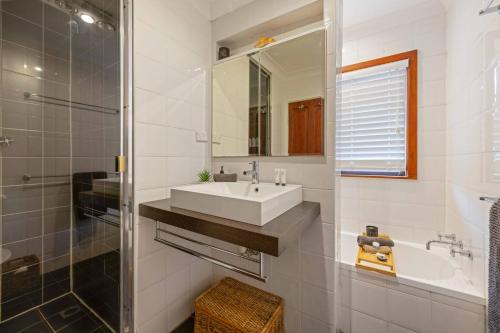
(271, 102)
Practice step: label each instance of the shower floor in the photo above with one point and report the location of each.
(65, 314)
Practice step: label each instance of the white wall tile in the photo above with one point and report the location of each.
(150, 301)
(369, 299)
(447, 319)
(172, 41)
(409, 311)
(362, 323)
(318, 303)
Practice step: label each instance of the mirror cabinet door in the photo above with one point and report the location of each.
(271, 103)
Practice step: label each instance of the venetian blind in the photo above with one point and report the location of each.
(371, 122)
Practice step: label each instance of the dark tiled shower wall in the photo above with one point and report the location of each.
(95, 143)
(35, 212)
(51, 144)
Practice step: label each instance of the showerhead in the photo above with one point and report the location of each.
(86, 11)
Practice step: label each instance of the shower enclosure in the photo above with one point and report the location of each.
(61, 144)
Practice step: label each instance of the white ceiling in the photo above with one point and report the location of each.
(359, 11)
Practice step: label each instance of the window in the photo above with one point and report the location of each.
(377, 118)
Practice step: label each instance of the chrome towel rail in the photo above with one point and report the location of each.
(78, 105)
(489, 199)
(258, 276)
(100, 216)
(28, 177)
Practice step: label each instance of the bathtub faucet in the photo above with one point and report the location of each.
(452, 241)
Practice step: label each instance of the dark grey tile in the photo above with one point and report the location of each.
(20, 59)
(26, 143)
(56, 145)
(14, 306)
(56, 69)
(30, 10)
(103, 329)
(22, 322)
(57, 219)
(57, 90)
(41, 327)
(56, 118)
(83, 325)
(16, 170)
(63, 311)
(22, 115)
(56, 195)
(15, 85)
(111, 81)
(23, 253)
(56, 169)
(52, 290)
(17, 227)
(21, 32)
(56, 45)
(56, 20)
(23, 198)
(111, 52)
(56, 244)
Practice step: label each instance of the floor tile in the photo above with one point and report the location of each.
(22, 322)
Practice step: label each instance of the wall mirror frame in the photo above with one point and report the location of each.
(271, 101)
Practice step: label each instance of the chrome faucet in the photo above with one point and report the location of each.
(452, 241)
(453, 245)
(254, 172)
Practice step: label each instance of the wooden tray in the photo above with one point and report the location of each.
(369, 261)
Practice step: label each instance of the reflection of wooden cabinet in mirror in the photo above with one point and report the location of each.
(305, 127)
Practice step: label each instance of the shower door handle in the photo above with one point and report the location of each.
(120, 164)
(5, 141)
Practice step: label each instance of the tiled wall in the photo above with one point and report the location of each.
(377, 305)
(42, 53)
(304, 275)
(35, 220)
(412, 210)
(473, 165)
(172, 75)
(95, 141)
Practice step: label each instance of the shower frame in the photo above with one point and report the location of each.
(127, 175)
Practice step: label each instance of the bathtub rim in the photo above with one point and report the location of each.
(408, 281)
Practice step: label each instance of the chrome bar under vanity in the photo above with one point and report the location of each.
(247, 255)
(257, 241)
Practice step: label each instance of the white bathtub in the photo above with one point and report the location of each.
(432, 270)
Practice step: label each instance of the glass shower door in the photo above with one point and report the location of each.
(60, 133)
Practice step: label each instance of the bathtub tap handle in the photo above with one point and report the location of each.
(463, 253)
(452, 237)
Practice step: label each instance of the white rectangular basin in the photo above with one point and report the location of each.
(241, 201)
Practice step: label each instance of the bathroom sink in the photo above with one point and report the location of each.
(241, 201)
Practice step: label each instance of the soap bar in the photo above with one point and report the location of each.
(225, 177)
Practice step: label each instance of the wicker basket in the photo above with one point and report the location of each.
(235, 307)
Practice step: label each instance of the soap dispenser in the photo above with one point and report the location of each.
(221, 170)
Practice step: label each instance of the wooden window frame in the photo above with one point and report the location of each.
(412, 107)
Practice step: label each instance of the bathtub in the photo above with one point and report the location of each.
(432, 270)
(428, 289)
